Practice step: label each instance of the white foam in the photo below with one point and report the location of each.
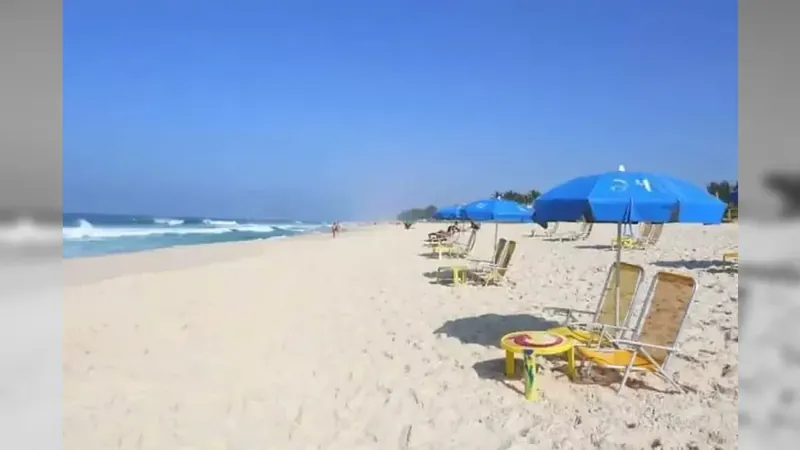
(169, 222)
(90, 232)
(220, 223)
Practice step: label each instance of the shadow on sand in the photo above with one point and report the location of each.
(494, 370)
(594, 247)
(430, 255)
(710, 266)
(487, 329)
(690, 264)
(440, 277)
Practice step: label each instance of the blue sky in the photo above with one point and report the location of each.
(357, 109)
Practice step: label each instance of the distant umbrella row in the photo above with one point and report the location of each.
(613, 197)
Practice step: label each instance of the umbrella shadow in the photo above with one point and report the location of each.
(487, 329)
(440, 277)
(494, 370)
(690, 264)
(429, 255)
(714, 266)
(594, 247)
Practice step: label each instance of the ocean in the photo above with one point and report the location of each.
(103, 234)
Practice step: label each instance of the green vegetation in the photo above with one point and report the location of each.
(415, 214)
(723, 190)
(720, 189)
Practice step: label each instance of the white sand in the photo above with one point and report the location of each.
(313, 342)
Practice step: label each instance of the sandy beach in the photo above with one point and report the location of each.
(319, 343)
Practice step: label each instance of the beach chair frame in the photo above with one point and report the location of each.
(497, 273)
(636, 347)
(652, 238)
(477, 265)
(642, 234)
(586, 332)
(456, 249)
(582, 234)
(608, 289)
(550, 231)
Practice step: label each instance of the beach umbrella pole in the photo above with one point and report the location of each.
(618, 270)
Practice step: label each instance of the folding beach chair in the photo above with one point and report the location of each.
(442, 239)
(456, 249)
(475, 264)
(605, 315)
(642, 234)
(497, 273)
(730, 261)
(584, 232)
(650, 240)
(657, 332)
(550, 231)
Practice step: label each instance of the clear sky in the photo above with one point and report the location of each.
(354, 109)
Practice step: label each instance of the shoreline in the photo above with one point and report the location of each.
(95, 268)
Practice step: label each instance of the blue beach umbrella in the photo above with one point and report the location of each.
(496, 210)
(629, 197)
(623, 197)
(448, 213)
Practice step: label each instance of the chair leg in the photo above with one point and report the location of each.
(571, 364)
(627, 372)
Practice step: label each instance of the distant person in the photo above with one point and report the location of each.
(452, 229)
(335, 229)
(408, 225)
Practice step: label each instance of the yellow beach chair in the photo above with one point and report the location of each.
(731, 260)
(473, 264)
(641, 235)
(584, 232)
(650, 240)
(603, 326)
(497, 273)
(657, 332)
(456, 249)
(550, 231)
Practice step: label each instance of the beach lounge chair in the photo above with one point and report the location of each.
(603, 318)
(442, 237)
(657, 332)
(496, 273)
(550, 231)
(584, 232)
(474, 264)
(642, 234)
(456, 249)
(731, 260)
(647, 241)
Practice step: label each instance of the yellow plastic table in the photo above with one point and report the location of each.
(541, 343)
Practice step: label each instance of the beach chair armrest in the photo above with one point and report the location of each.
(602, 325)
(643, 345)
(480, 264)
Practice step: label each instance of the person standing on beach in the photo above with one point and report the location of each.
(335, 229)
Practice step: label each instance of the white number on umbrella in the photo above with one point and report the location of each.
(645, 183)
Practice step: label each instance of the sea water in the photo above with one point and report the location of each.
(101, 234)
